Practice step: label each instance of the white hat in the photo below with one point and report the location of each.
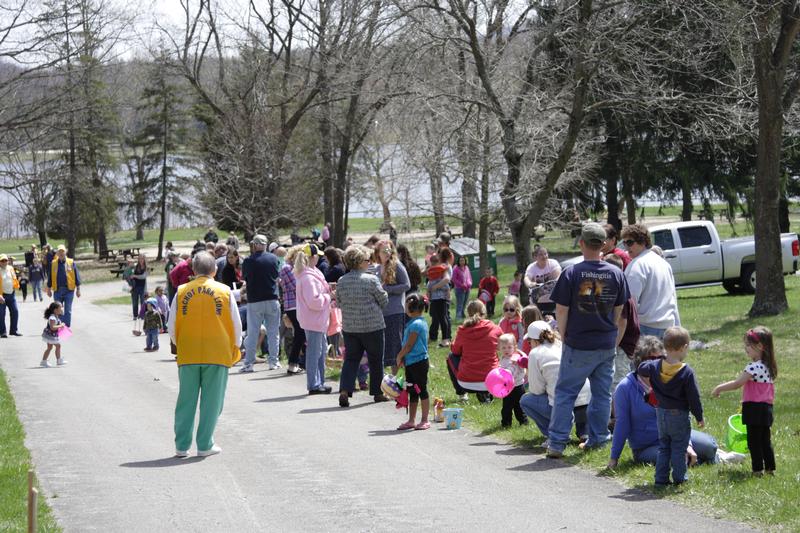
(536, 328)
(273, 246)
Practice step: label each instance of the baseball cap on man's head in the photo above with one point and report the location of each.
(536, 328)
(61, 248)
(593, 233)
(259, 240)
(3, 257)
(273, 246)
(312, 249)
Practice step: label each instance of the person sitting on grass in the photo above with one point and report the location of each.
(474, 353)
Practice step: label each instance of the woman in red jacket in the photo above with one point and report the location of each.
(474, 353)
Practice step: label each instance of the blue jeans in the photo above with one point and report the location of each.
(674, 431)
(316, 346)
(704, 446)
(137, 299)
(11, 304)
(65, 296)
(269, 313)
(37, 290)
(647, 330)
(537, 407)
(576, 367)
(462, 295)
(152, 337)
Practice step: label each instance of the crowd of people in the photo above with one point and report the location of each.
(600, 347)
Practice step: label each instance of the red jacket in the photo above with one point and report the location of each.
(477, 346)
(181, 273)
(490, 285)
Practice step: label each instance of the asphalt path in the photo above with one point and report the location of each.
(100, 433)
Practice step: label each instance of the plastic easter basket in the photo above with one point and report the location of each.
(736, 437)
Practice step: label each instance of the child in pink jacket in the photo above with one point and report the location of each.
(462, 281)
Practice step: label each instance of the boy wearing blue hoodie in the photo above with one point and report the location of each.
(675, 386)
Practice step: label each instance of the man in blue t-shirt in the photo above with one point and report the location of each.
(260, 271)
(589, 297)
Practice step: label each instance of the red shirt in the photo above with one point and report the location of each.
(181, 273)
(477, 346)
(490, 285)
(622, 254)
(512, 326)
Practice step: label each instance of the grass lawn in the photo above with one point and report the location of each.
(15, 461)
(726, 491)
(124, 299)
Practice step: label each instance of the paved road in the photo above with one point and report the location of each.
(100, 431)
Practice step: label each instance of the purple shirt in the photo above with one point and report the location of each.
(289, 285)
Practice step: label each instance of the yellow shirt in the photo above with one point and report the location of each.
(204, 324)
(668, 370)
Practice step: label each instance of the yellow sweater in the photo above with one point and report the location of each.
(204, 325)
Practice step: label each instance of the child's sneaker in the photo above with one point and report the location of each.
(61, 362)
(45, 364)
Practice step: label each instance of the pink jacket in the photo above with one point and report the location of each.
(313, 300)
(462, 278)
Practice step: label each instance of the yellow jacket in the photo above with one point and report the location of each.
(205, 324)
(70, 269)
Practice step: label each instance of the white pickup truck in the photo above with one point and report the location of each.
(699, 257)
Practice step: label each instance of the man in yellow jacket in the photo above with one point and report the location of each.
(64, 282)
(204, 324)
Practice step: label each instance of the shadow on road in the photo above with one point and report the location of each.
(542, 465)
(162, 463)
(333, 409)
(635, 494)
(387, 432)
(283, 399)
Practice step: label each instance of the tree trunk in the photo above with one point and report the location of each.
(630, 201)
(770, 297)
(686, 194)
(783, 213)
(437, 192)
(162, 222)
(469, 195)
(42, 237)
(483, 237)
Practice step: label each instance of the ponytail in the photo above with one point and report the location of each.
(476, 312)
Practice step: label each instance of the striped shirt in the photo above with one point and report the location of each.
(361, 299)
(289, 286)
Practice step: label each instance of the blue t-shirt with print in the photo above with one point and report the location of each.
(419, 352)
(591, 290)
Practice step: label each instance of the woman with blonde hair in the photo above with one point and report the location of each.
(288, 283)
(394, 280)
(313, 314)
(474, 353)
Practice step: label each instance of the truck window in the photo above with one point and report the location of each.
(694, 236)
(664, 239)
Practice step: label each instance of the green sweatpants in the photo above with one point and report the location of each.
(209, 383)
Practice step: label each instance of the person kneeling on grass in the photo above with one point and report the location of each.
(414, 356)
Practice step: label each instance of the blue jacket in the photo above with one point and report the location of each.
(681, 392)
(635, 418)
(260, 271)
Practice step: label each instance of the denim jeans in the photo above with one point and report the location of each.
(11, 304)
(576, 367)
(537, 407)
(355, 344)
(647, 330)
(152, 337)
(65, 296)
(704, 446)
(316, 346)
(37, 290)
(462, 295)
(674, 431)
(267, 312)
(137, 299)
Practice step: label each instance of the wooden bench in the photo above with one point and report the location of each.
(133, 252)
(107, 255)
(117, 271)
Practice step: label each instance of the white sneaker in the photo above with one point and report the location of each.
(246, 369)
(276, 366)
(181, 453)
(45, 364)
(730, 458)
(61, 362)
(213, 451)
(464, 397)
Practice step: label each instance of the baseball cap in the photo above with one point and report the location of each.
(260, 240)
(3, 257)
(272, 246)
(536, 328)
(61, 247)
(593, 233)
(312, 249)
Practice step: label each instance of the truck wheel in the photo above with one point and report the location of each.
(748, 280)
(731, 285)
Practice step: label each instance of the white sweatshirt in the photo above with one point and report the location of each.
(652, 286)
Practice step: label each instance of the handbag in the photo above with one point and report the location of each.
(335, 322)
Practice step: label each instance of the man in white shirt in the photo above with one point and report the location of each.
(8, 298)
(650, 283)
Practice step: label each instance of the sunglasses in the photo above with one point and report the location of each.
(629, 242)
(507, 309)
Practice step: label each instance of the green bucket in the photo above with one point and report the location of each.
(736, 438)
